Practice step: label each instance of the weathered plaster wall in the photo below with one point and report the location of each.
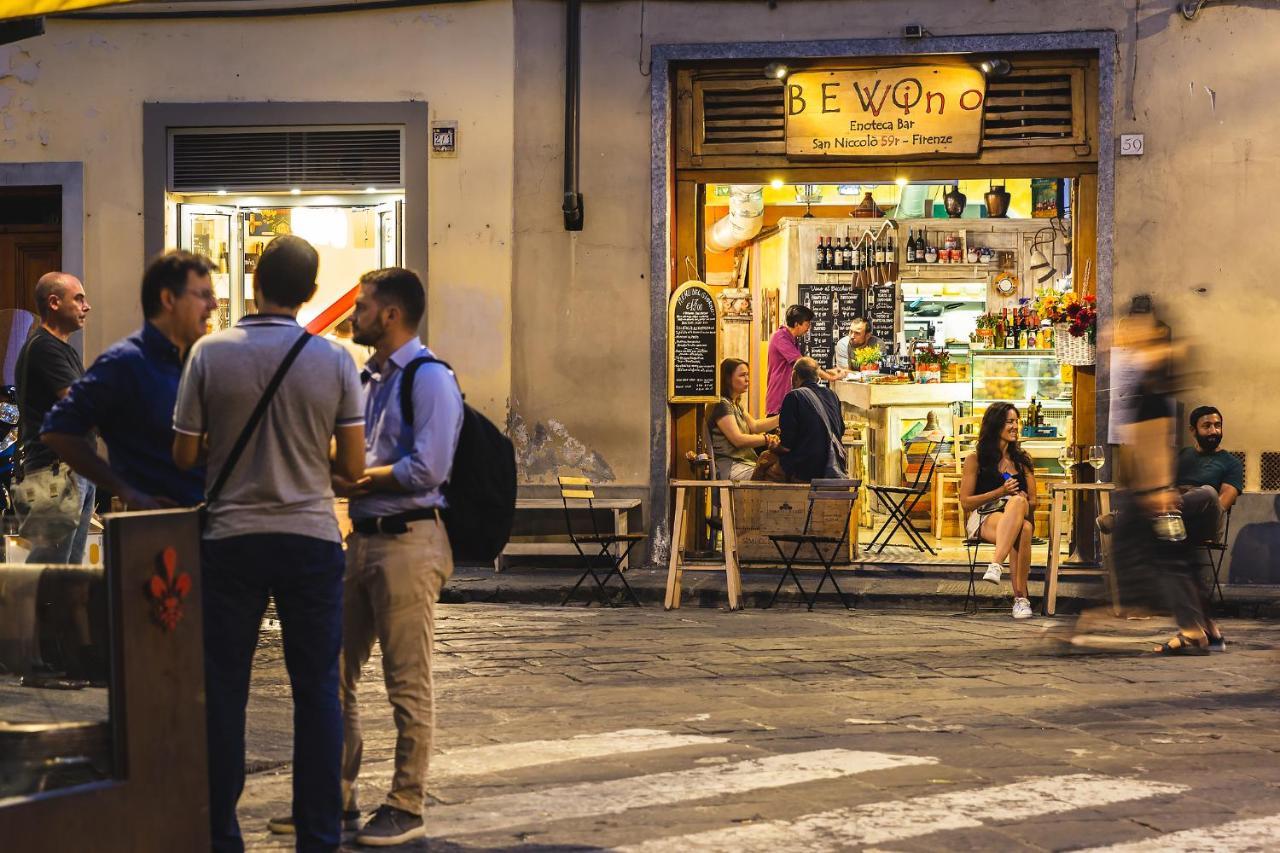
(76, 94)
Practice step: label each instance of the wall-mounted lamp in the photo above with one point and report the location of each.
(996, 67)
(1041, 268)
(776, 70)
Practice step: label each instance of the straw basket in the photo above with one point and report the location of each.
(1078, 352)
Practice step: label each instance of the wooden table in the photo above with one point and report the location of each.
(677, 565)
(620, 507)
(1059, 497)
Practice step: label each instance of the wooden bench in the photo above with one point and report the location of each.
(561, 546)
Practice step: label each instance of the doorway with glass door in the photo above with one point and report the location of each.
(353, 233)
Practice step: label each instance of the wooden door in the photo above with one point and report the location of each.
(26, 253)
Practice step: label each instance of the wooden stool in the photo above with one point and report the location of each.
(677, 565)
(1059, 505)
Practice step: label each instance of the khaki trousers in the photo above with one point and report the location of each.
(391, 588)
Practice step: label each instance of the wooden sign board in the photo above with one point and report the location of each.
(834, 307)
(904, 111)
(693, 345)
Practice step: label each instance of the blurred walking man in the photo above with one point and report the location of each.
(272, 531)
(399, 557)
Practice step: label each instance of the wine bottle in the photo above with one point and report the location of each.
(911, 246)
(821, 255)
(891, 252)
(1010, 336)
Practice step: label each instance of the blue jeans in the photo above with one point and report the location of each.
(304, 575)
(53, 541)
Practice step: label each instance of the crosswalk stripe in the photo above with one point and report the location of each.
(1255, 835)
(634, 792)
(504, 757)
(876, 823)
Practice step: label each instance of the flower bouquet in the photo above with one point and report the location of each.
(929, 364)
(867, 359)
(1075, 325)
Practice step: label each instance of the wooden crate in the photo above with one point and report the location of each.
(762, 509)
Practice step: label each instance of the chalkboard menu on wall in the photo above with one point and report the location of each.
(883, 312)
(693, 345)
(834, 306)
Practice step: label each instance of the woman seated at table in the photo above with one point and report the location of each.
(735, 435)
(998, 491)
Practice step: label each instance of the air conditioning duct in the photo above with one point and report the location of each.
(744, 220)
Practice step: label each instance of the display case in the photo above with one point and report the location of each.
(1018, 377)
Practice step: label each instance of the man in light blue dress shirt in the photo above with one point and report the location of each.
(398, 556)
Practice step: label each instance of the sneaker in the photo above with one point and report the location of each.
(1022, 608)
(390, 826)
(994, 570)
(284, 825)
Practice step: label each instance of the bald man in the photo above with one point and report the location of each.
(46, 369)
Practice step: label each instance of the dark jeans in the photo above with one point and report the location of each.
(304, 575)
(1157, 574)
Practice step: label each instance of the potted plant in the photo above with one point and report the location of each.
(867, 359)
(984, 335)
(929, 364)
(1075, 325)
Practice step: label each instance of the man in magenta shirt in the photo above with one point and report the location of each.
(784, 352)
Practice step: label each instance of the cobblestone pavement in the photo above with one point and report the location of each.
(585, 729)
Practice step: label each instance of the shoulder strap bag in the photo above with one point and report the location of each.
(251, 425)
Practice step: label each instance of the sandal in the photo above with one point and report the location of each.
(1218, 643)
(1181, 644)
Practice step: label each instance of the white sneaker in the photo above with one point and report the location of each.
(1022, 608)
(993, 573)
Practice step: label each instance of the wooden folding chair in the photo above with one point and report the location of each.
(819, 490)
(964, 437)
(578, 491)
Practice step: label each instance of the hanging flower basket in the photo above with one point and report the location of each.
(1077, 352)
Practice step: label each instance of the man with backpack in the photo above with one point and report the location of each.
(269, 399)
(398, 555)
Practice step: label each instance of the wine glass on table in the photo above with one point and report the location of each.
(1096, 457)
(1067, 459)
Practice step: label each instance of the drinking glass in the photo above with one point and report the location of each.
(1066, 457)
(1096, 457)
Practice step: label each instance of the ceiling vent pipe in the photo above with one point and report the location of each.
(744, 221)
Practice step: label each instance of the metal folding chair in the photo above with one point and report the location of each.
(578, 490)
(1216, 551)
(819, 490)
(900, 501)
(971, 546)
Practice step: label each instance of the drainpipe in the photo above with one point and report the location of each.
(745, 218)
(574, 215)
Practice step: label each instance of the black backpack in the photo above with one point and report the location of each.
(481, 490)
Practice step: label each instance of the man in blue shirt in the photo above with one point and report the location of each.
(128, 394)
(398, 556)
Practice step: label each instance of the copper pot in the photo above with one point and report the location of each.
(954, 201)
(997, 202)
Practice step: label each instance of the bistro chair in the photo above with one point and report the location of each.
(1216, 551)
(971, 546)
(715, 525)
(901, 501)
(819, 490)
(576, 493)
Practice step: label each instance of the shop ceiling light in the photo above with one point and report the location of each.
(1041, 268)
(776, 71)
(222, 192)
(371, 189)
(996, 67)
(777, 183)
(295, 191)
(901, 182)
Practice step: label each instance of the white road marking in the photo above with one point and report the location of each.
(875, 823)
(502, 757)
(1256, 835)
(619, 795)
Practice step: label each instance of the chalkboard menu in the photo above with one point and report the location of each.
(883, 312)
(834, 306)
(693, 345)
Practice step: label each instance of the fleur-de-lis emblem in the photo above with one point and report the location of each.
(166, 588)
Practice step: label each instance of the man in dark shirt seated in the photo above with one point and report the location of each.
(128, 394)
(1206, 468)
(811, 426)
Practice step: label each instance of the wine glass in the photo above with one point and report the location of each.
(1096, 457)
(1067, 458)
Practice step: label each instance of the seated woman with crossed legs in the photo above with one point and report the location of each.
(735, 435)
(997, 489)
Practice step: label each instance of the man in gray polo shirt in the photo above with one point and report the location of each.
(272, 531)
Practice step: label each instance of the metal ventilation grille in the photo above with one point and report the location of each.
(273, 159)
(742, 111)
(1270, 471)
(1030, 106)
